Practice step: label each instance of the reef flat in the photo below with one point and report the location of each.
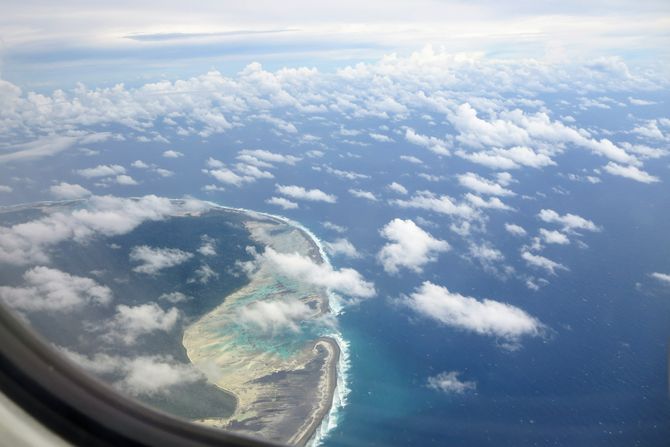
(283, 382)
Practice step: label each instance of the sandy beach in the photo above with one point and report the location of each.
(283, 383)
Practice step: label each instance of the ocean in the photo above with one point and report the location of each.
(597, 377)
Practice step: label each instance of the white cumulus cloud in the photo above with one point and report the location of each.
(68, 191)
(485, 317)
(449, 382)
(515, 229)
(172, 154)
(275, 316)
(361, 194)
(631, 172)
(282, 202)
(570, 222)
(102, 171)
(541, 262)
(300, 193)
(397, 188)
(153, 260)
(346, 281)
(48, 289)
(131, 322)
(662, 277)
(410, 246)
(481, 185)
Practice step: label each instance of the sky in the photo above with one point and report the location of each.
(45, 45)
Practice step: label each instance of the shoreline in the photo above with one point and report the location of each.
(324, 417)
(319, 421)
(307, 434)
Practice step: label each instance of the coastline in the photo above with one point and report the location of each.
(332, 387)
(318, 422)
(308, 433)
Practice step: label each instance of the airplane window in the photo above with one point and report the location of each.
(391, 223)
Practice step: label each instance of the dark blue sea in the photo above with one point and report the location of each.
(597, 377)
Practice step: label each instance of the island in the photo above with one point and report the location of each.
(283, 383)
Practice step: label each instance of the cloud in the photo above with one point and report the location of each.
(172, 154)
(69, 191)
(515, 229)
(203, 274)
(570, 222)
(252, 171)
(484, 317)
(102, 171)
(645, 151)
(207, 246)
(274, 316)
(517, 128)
(481, 185)
(489, 159)
(151, 375)
(512, 158)
(131, 322)
(52, 290)
(411, 159)
(410, 247)
(485, 253)
(334, 227)
(278, 123)
(214, 163)
(270, 156)
(630, 172)
(476, 132)
(300, 193)
(381, 138)
(175, 297)
(640, 102)
(246, 173)
(248, 159)
(424, 82)
(342, 247)
(43, 147)
(542, 263)
(444, 204)
(431, 177)
(29, 242)
(6, 189)
(213, 188)
(346, 281)
(282, 202)
(125, 180)
(153, 260)
(225, 175)
(163, 172)
(397, 188)
(363, 194)
(146, 375)
(433, 144)
(491, 203)
(662, 277)
(650, 131)
(554, 237)
(348, 175)
(448, 382)
(139, 164)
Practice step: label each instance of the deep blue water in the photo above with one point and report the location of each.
(598, 378)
